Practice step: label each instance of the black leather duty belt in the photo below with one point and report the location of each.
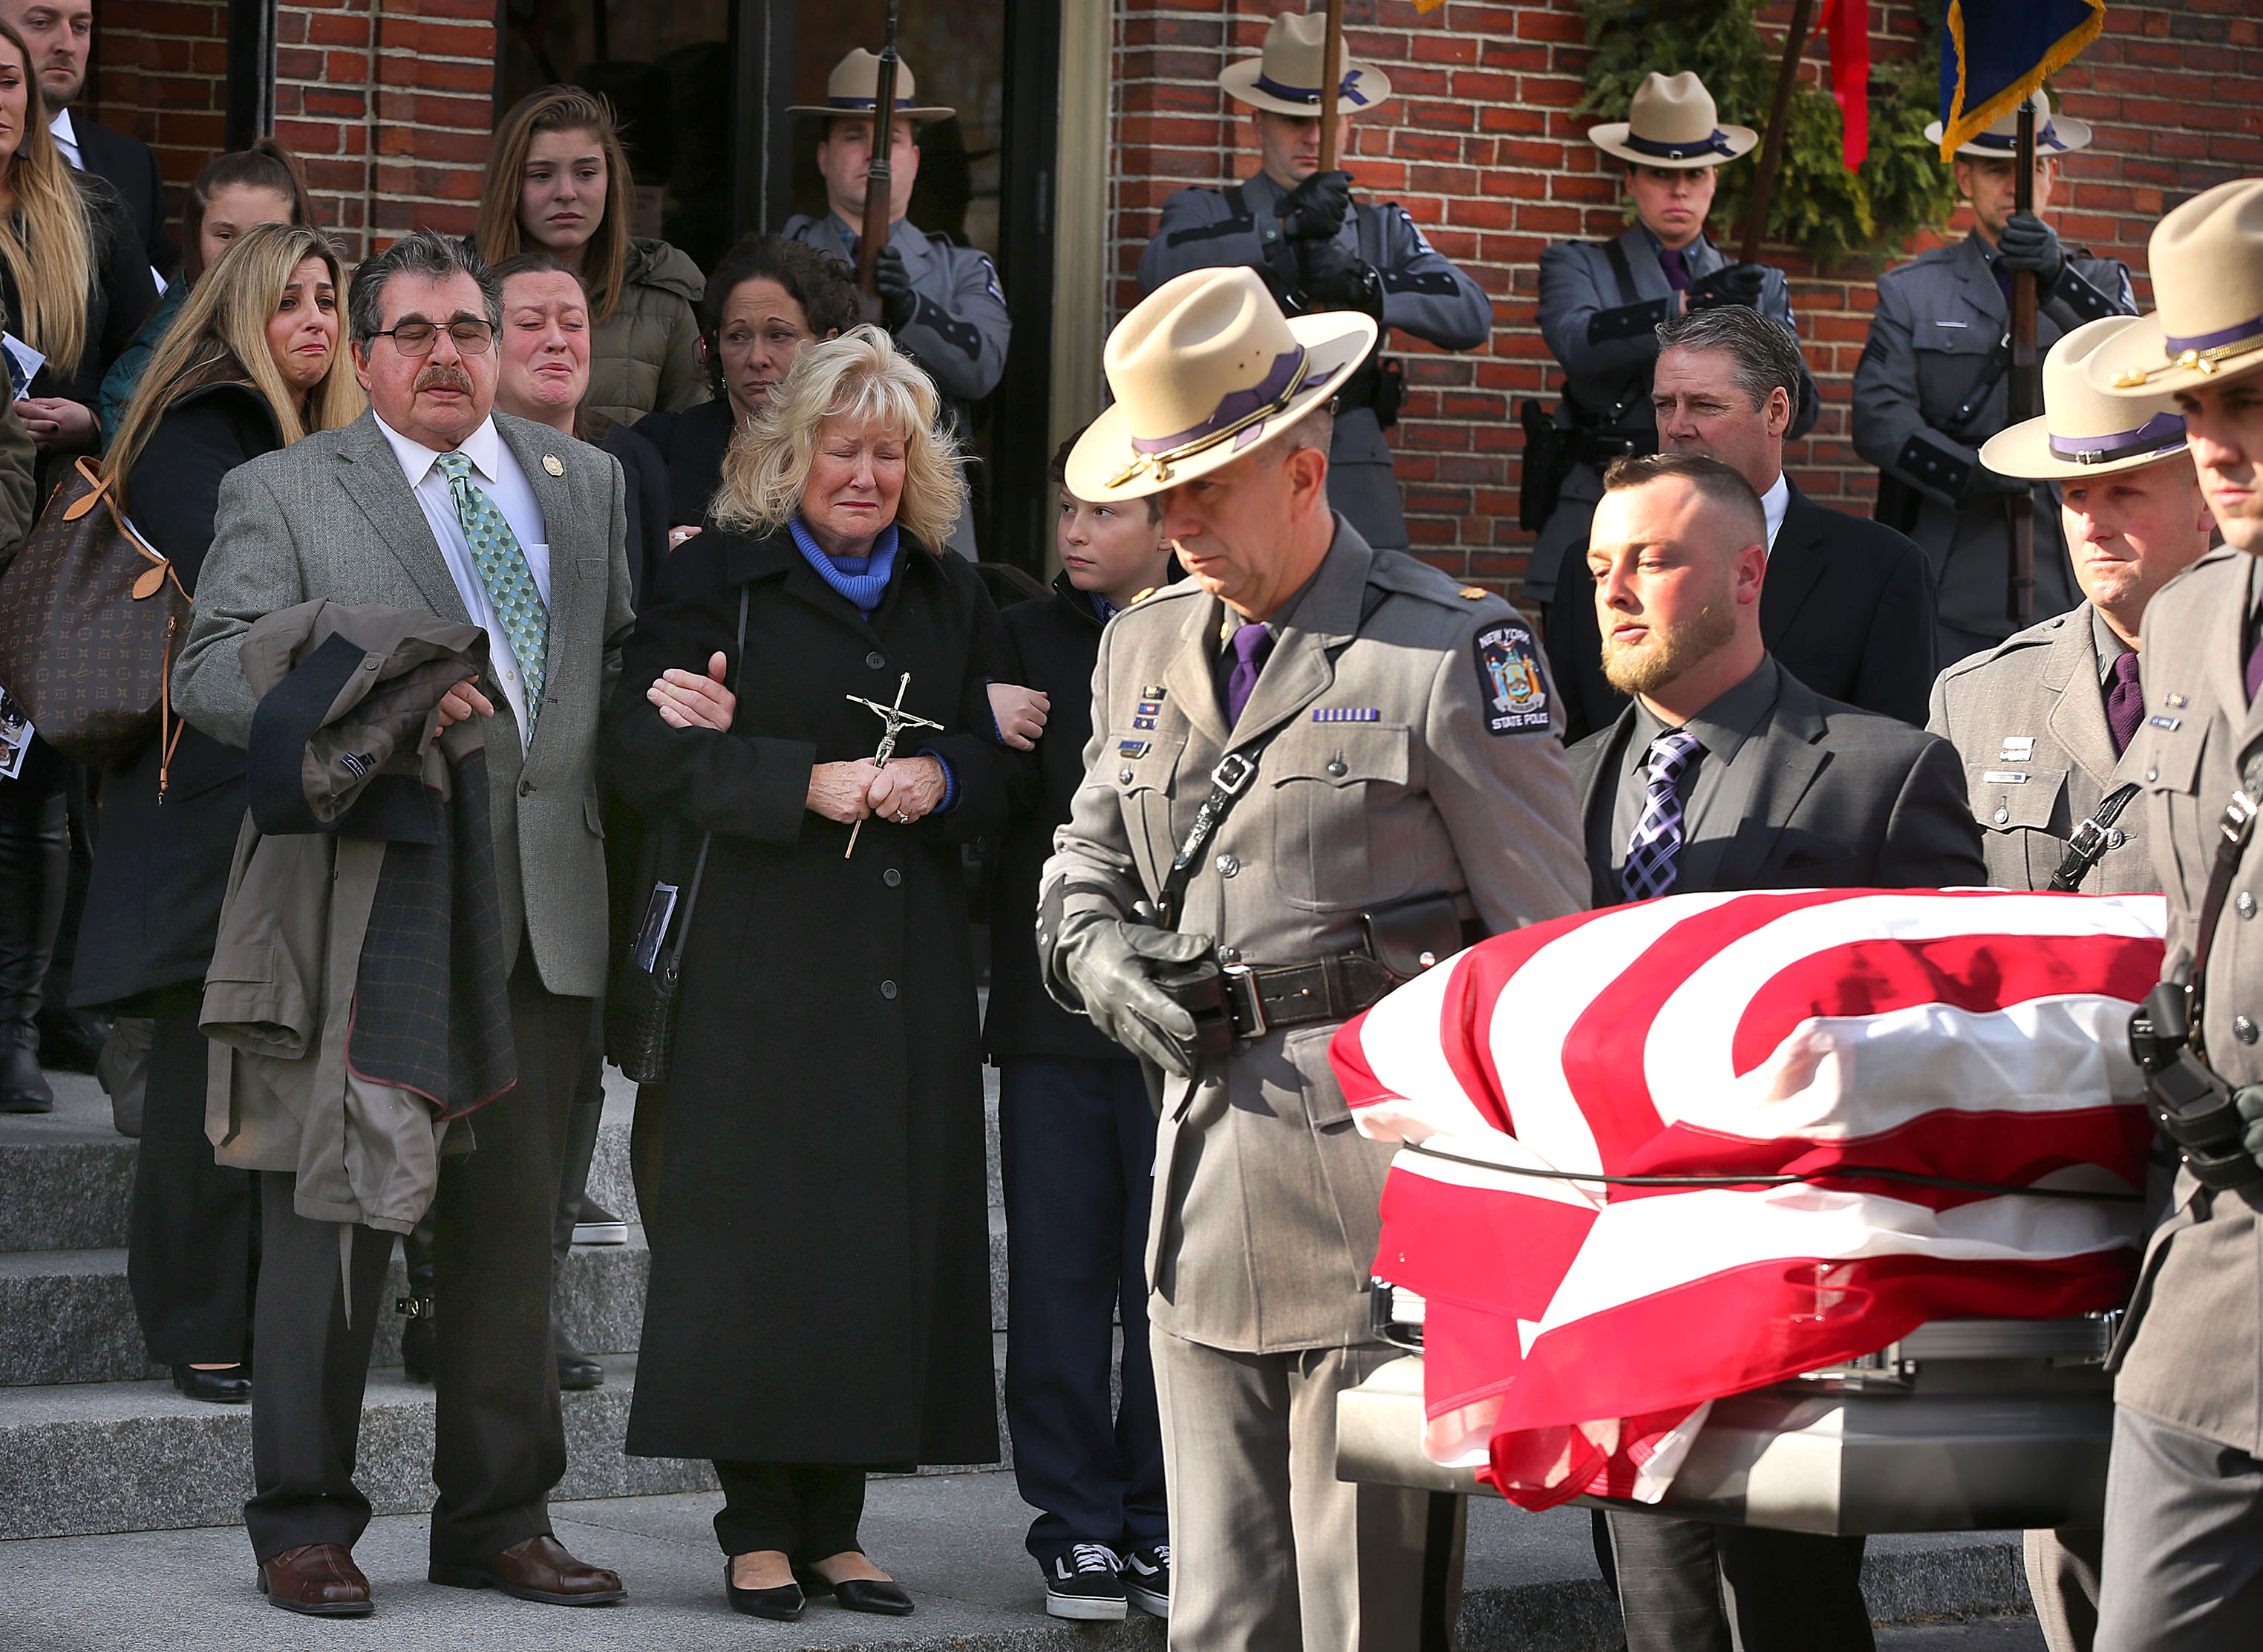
(1334, 989)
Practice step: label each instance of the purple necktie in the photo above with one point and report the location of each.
(2125, 701)
(1677, 270)
(2255, 667)
(1251, 644)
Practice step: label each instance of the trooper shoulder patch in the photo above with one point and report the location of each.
(1510, 680)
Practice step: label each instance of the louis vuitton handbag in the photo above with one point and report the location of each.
(90, 617)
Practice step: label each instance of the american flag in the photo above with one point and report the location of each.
(1576, 1330)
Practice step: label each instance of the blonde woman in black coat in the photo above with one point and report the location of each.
(819, 1304)
(252, 363)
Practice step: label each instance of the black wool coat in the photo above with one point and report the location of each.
(130, 167)
(821, 1270)
(119, 300)
(646, 474)
(159, 871)
(1053, 643)
(693, 442)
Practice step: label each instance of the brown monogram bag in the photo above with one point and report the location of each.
(90, 618)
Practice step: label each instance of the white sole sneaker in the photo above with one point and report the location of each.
(1154, 1605)
(601, 1233)
(1085, 1608)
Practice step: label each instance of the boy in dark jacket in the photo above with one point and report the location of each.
(1076, 1132)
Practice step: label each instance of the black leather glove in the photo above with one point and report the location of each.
(2028, 243)
(1333, 277)
(1985, 483)
(1120, 971)
(1737, 284)
(2248, 1099)
(898, 302)
(1317, 207)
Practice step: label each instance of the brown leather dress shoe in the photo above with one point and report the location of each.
(536, 1569)
(320, 1580)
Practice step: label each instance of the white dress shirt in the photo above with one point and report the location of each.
(495, 474)
(66, 137)
(1773, 504)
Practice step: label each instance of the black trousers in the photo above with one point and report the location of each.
(35, 871)
(1076, 1141)
(192, 1235)
(1688, 1586)
(806, 1511)
(500, 1441)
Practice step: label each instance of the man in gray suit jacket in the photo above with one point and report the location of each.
(1726, 772)
(429, 501)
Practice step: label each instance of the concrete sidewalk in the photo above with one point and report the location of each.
(953, 1539)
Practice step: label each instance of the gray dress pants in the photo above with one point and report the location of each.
(2183, 1566)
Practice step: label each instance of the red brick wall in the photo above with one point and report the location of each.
(1481, 147)
(411, 161)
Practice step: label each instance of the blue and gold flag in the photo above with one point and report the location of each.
(1998, 52)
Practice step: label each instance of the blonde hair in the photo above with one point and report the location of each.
(47, 242)
(863, 379)
(500, 235)
(221, 337)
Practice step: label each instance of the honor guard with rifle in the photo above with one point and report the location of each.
(939, 300)
(1319, 250)
(2045, 722)
(1931, 386)
(2184, 1489)
(1600, 300)
(1315, 767)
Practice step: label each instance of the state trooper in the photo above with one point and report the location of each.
(940, 300)
(1600, 302)
(2044, 722)
(1319, 250)
(2184, 1489)
(1315, 765)
(1930, 386)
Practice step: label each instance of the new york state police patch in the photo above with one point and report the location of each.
(1510, 680)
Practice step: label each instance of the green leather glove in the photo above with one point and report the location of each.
(1121, 971)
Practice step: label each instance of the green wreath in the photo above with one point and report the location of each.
(1817, 204)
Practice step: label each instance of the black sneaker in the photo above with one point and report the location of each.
(1148, 1578)
(1083, 1584)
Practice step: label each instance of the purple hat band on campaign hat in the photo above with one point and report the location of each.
(2008, 141)
(1238, 405)
(1311, 94)
(863, 103)
(1717, 144)
(2238, 334)
(2161, 432)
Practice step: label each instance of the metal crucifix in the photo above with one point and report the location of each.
(895, 719)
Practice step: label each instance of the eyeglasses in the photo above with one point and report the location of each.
(417, 338)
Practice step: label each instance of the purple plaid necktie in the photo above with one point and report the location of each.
(1656, 847)
(2125, 701)
(1676, 268)
(1251, 644)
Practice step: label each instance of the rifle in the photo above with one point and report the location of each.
(2022, 393)
(879, 185)
(1331, 80)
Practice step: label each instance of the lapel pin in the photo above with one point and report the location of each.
(2177, 700)
(554, 465)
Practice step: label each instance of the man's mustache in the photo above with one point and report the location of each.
(443, 377)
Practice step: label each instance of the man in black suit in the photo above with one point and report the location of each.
(1725, 772)
(59, 32)
(1848, 605)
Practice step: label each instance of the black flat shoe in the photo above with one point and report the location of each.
(231, 1385)
(869, 1594)
(781, 1605)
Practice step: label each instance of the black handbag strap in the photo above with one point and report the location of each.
(2091, 840)
(706, 838)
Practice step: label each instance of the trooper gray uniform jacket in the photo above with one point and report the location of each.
(1422, 294)
(1600, 326)
(1417, 754)
(2187, 1352)
(2028, 718)
(1931, 387)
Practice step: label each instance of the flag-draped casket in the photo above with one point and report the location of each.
(1855, 1054)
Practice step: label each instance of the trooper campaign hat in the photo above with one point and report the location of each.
(1206, 367)
(2082, 431)
(855, 77)
(1672, 122)
(2055, 134)
(1285, 76)
(2207, 260)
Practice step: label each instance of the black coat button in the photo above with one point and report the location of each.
(526, 788)
(892, 877)
(887, 989)
(2243, 1029)
(877, 660)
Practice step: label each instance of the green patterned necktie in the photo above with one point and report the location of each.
(511, 591)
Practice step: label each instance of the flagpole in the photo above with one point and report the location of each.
(2023, 387)
(1331, 80)
(1779, 116)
